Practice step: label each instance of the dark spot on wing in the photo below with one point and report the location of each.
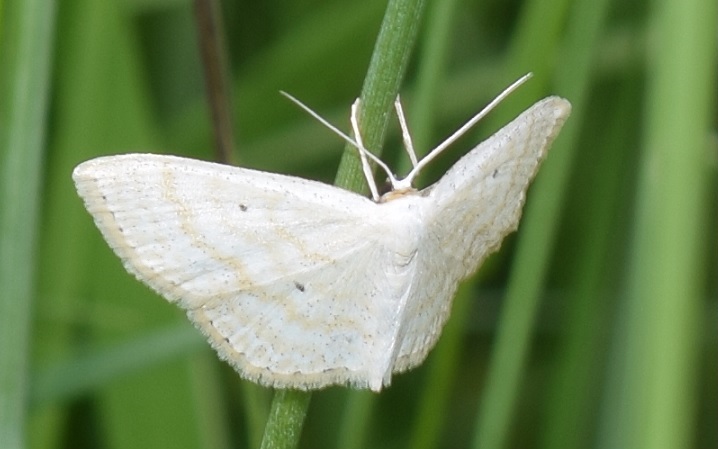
(299, 286)
(495, 173)
(243, 207)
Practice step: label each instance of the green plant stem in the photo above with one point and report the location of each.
(386, 72)
(381, 85)
(286, 418)
(214, 58)
(25, 55)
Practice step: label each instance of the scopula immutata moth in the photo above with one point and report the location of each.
(299, 284)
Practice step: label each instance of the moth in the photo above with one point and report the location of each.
(299, 284)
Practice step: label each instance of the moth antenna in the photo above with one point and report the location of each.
(319, 118)
(459, 132)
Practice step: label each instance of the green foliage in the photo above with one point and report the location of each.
(593, 327)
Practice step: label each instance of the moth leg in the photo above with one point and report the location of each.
(406, 136)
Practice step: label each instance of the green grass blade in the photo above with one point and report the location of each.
(91, 371)
(538, 231)
(101, 106)
(652, 401)
(594, 266)
(26, 40)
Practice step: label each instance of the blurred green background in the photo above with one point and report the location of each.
(593, 327)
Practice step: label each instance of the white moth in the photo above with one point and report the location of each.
(299, 284)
